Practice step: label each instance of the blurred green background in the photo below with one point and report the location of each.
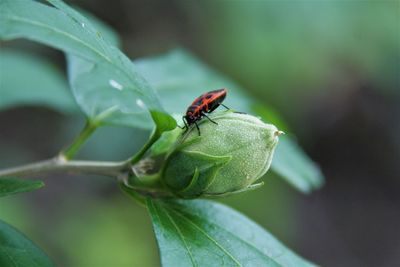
(330, 68)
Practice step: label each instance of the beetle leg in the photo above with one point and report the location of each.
(209, 118)
(186, 124)
(184, 121)
(230, 109)
(224, 106)
(198, 129)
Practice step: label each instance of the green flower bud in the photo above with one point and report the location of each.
(226, 158)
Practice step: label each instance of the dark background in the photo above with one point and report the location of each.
(330, 68)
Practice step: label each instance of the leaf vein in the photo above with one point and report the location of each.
(28, 21)
(11, 258)
(209, 237)
(244, 241)
(181, 236)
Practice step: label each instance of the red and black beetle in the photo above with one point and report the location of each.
(206, 103)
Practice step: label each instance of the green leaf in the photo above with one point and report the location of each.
(178, 77)
(104, 82)
(105, 30)
(14, 186)
(205, 233)
(163, 122)
(30, 80)
(291, 163)
(18, 251)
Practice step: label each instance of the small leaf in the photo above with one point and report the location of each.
(18, 251)
(205, 233)
(101, 76)
(30, 80)
(14, 186)
(163, 122)
(295, 166)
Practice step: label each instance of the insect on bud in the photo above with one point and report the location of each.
(226, 158)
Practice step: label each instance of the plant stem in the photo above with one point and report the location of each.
(153, 138)
(60, 164)
(72, 149)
